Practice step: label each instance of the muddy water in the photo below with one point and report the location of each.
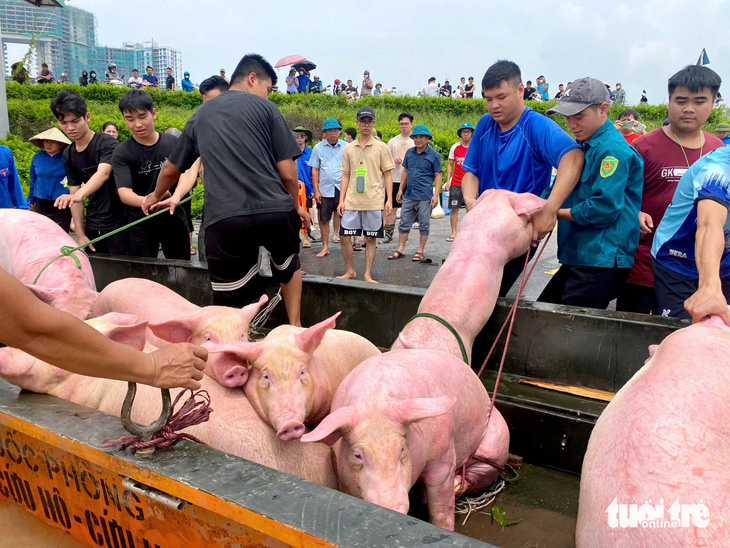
(547, 502)
(20, 528)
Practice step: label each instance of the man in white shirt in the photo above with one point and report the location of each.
(135, 81)
(431, 89)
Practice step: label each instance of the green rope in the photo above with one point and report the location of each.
(67, 251)
(448, 326)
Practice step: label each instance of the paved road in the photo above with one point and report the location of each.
(406, 272)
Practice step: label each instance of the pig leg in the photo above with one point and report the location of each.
(487, 461)
(438, 481)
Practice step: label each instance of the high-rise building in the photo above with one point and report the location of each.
(67, 42)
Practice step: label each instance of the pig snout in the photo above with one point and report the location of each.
(392, 499)
(226, 364)
(289, 427)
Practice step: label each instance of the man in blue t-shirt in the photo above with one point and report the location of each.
(421, 171)
(150, 79)
(691, 245)
(515, 148)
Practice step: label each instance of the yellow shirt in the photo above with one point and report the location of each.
(375, 157)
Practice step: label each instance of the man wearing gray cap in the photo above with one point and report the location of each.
(598, 225)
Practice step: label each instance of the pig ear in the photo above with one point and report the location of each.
(174, 331)
(248, 313)
(231, 362)
(331, 428)
(46, 294)
(131, 335)
(310, 338)
(416, 409)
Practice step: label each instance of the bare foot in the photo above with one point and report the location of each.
(323, 253)
(348, 276)
(369, 279)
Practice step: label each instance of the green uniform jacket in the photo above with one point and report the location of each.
(604, 204)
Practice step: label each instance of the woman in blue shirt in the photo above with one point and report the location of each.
(47, 176)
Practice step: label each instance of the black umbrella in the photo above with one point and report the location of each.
(306, 65)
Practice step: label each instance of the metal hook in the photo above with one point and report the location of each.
(145, 433)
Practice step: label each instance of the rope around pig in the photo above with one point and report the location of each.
(68, 251)
(448, 326)
(511, 320)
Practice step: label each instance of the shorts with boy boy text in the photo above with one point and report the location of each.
(367, 223)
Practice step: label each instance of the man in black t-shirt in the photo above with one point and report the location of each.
(89, 172)
(136, 163)
(170, 81)
(251, 187)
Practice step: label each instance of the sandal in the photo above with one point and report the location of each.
(336, 240)
(306, 244)
(417, 257)
(396, 255)
(357, 247)
(450, 239)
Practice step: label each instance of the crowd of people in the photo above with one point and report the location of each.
(640, 215)
(111, 76)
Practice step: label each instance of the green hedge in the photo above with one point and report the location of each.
(30, 113)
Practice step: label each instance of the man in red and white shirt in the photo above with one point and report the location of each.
(454, 174)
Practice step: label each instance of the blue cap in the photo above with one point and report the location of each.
(331, 123)
(466, 125)
(420, 129)
(186, 73)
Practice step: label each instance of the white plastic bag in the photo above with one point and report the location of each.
(437, 212)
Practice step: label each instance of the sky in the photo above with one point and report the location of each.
(402, 42)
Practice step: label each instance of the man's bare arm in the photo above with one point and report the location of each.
(709, 247)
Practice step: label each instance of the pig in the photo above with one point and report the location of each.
(418, 412)
(412, 415)
(233, 426)
(173, 318)
(663, 445)
(494, 232)
(28, 241)
(292, 374)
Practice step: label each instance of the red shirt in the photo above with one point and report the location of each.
(664, 165)
(458, 153)
(631, 137)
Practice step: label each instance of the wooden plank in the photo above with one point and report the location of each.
(592, 393)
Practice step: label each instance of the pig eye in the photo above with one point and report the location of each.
(207, 337)
(265, 376)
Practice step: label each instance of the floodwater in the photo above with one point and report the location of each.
(547, 502)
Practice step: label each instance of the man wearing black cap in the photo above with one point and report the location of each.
(366, 183)
(598, 225)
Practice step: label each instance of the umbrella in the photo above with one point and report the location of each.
(289, 60)
(306, 65)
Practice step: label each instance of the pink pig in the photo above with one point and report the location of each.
(663, 445)
(172, 318)
(233, 427)
(420, 413)
(495, 232)
(293, 373)
(412, 415)
(28, 241)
